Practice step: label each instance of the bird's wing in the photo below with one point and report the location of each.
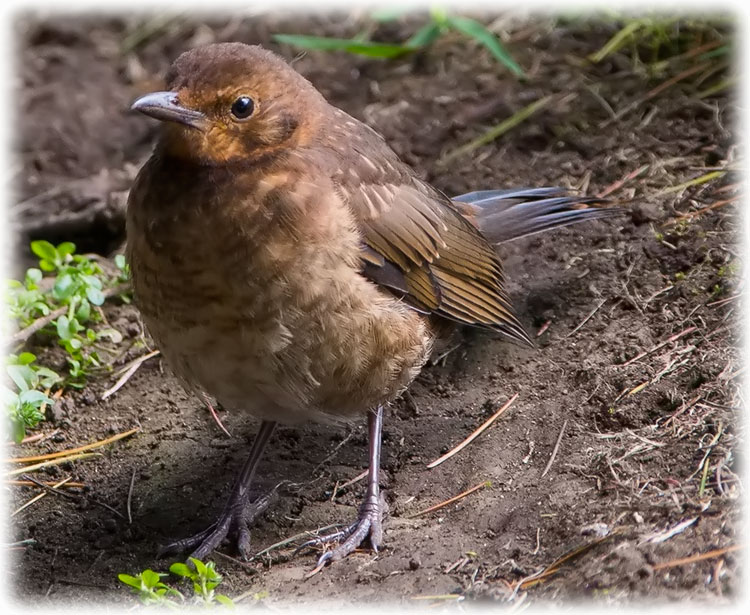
(421, 248)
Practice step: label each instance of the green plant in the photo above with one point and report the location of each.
(151, 590)
(75, 289)
(439, 23)
(25, 404)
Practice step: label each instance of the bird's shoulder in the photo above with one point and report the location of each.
(416, 243)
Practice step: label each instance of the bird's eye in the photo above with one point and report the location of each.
(243, 107)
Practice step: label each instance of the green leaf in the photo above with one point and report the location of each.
(200, 567)
(33, 276)
(47, 377)
(64, 287)
(25, 358)
(113, 334)
(63, 328)
(83, 313)
(18, 428)
(21, 375)
(35, 398)
(65, 248)
(365, 48)
(120, 261)
(44, 249)
(225, 600)
(424, 36)
(150, 578)
(46, 265)
(181, 570)
(130, 580)
(94, 295)
(478, 32)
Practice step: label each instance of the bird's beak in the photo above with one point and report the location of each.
(164, 106)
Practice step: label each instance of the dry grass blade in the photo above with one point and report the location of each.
(38, 497)
(52, 462)
(702, 211)
(71, 451)
(129, 371)
(476, 433)
(621, 182)
(499, 130)
(676, 79)
(557, 447)
(449, 501)
(554, 566)
(28, 483)
(588, 317)
(645, 353)
(697, 558)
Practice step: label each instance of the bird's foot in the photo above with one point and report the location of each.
(369, 524)
(233, 523)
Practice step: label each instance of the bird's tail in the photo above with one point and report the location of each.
(503, 215)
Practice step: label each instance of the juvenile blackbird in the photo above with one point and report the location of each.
(288, 264)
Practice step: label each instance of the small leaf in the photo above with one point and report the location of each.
(83, 313)
(65, 248)
(33, 276)
(477, 31)
(225, 600)
(21, 375)
(365, 48)
(44, 249)
(424, 36)
(180, 570)
(25, 358)
(18, 428)
(64, 287)
(46, 265)
(94, 295)
(47, 377)
(113, 334)
(200, 567)
(151, 578)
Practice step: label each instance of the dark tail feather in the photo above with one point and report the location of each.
(503, 215)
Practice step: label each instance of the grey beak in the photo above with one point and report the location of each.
(164, 106)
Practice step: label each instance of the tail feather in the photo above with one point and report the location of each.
(504, 215)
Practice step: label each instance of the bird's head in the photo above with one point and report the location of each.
(231, 102)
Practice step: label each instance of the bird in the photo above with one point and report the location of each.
(289, 265)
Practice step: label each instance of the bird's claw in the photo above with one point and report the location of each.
(368, 525)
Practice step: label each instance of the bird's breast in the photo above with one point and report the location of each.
(257, 299)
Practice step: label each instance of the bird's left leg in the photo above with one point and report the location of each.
(370, 519)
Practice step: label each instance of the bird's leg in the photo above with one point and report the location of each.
(370, 519)
(238, 514)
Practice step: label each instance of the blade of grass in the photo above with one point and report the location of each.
(499, 130)
(617, 41)
(694, 182)
(365, 48)
(424, 36)
(478, 32)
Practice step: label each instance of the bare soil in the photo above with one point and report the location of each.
(596, 451)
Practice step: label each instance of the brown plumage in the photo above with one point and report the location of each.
(288, 264)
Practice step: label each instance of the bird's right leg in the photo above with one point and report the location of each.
(238, 513)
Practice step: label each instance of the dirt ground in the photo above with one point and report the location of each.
(624, 435)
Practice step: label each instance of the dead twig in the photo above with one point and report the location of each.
(590, 315)
(476, 433)
(449, 501)
(645, 353)
(554, 450)
(71, 451)
(697, 558)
